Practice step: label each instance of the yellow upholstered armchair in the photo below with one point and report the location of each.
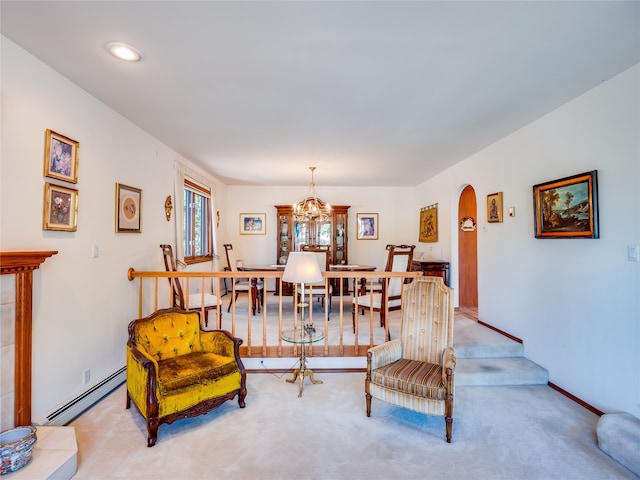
(416, 370)
(176, 370)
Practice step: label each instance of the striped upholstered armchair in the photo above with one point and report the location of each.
(416, 370)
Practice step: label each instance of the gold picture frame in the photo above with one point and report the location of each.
(60, 208)
(494, 207)
(368, 226)
(128, 209)
(429, 224)
(253, 223)
(567, 207)
(60, 157)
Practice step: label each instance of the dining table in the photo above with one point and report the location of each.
(254, 280)
(352, 268)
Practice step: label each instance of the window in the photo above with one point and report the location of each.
(197, 224)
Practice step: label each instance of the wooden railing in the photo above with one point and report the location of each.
(261, 333)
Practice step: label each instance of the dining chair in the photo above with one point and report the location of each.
(389, 298)
(195, 300)
(243, 285)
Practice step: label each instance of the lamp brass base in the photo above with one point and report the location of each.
(301, 373)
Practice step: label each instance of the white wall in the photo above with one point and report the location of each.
(574, 302)
(397, 224)
(81, 305)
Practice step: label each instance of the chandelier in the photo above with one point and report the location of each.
(311, 208)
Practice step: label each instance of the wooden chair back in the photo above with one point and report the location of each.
(399, 258)
(170, 266)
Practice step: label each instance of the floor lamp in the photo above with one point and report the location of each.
(302, 267)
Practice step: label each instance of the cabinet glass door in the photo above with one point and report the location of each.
(301, 235)
(283, 241)
(340, 250)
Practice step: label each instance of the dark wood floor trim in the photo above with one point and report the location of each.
(580, 402)
(508, 335)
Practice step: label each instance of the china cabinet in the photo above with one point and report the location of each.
(292, 234)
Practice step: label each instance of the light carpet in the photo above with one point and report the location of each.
(502, 433)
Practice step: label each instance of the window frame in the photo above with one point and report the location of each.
(204, 192)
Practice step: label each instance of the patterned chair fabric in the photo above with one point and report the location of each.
(176, 370)
(416, 371)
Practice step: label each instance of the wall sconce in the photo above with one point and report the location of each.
(168, 206)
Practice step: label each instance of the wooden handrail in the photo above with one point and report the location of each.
(258, 343)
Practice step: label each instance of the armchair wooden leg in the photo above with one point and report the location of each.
(152, 429)
(243, 394)
(448, 412)
(448, 424)
(368, 397)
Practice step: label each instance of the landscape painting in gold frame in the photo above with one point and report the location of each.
(494, 207)
(60, 157)
(567, 208)
(60, 208)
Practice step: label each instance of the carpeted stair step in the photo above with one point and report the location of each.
(476, 372)
(474, 340)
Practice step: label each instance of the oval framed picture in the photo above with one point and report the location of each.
(128, 209)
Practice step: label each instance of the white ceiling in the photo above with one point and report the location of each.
(370, 92)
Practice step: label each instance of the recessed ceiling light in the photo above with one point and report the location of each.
(123, 52)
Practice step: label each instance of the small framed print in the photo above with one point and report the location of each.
(494, 207)
(367, 226)
(128, 209)
(60, 208)
(253, 223)
(60, 157)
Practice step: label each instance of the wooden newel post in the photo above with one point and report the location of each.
(22, 264)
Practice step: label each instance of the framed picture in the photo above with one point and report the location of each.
(494, 207)
(60, 157)
(367, 226)
(567, 208)
(128, 209)
(60, 208)
(253, 223)
(429, 224)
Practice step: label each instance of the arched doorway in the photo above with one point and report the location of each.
(467, 251)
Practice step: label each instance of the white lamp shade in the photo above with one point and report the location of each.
(302, 267)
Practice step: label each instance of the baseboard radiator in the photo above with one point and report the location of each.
(74, 408)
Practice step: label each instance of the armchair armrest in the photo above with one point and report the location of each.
(141, 378)
(448, 363)
(384, 354)
(220, 342)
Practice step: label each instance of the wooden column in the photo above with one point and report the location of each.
(22, 264)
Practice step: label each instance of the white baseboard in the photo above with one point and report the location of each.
(66, 413)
